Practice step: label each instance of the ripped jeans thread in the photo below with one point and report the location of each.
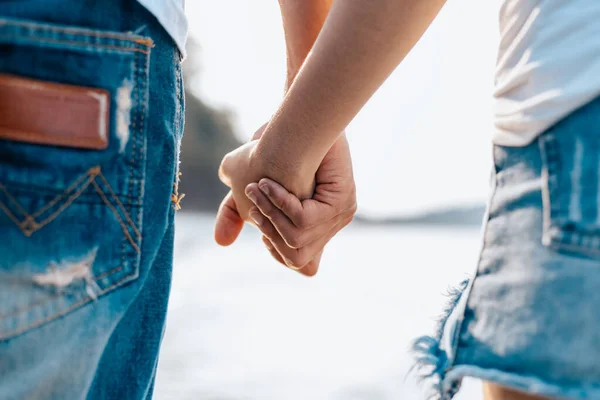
(431, 360)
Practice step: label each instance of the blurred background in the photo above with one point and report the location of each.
(242, 327)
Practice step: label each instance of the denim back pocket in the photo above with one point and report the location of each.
(571, 192)
(70, 217)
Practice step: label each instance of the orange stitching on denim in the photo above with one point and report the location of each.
(90, 172)
(74, 43)
(48, 319)
(69, 201)
(13, 200)
(123, 247)
(29, 225)
(116, 213)
(59, 314)
(114, 196)
(143, 99)
(83, 32)
(105, 274)
(9, 213)
(134, 125)
(29, 306)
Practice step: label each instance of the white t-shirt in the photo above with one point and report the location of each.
(548, 65)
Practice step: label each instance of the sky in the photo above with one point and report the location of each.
(423, 140)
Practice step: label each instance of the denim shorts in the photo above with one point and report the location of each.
(530, 317)
(86, 235)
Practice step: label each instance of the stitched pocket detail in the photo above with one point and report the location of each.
(38, 246)
(570, 155)
(30, 223)
(71, 219)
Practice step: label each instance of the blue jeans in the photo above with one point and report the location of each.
(86, 235)
(529, 319)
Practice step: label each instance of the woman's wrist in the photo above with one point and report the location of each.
(286, 164)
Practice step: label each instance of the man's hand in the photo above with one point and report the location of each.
(301, 236)
(236, 169)
(296, 231)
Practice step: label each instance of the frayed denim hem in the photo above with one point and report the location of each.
(431, 360)
(434, 365)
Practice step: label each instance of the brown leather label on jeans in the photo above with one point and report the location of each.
(54, 114)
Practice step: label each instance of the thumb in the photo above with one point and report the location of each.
(229, 224)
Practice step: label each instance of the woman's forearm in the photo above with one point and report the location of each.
(302, 23)
(361, 43)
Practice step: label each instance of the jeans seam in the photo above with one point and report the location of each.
(119, 204)
(140, 72)
(39, 303)
(554, 233)
(116, 213)
(76, 43)
(85, 300)
(78, 31)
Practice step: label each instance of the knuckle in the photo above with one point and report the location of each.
(301, 220)
(223, 176)
(266, 231)
(303, 259)
(266, 208)
(295, 240)
(285, 203)
(225, 164)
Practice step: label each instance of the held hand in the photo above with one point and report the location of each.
(229, 225)
(296, 231)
